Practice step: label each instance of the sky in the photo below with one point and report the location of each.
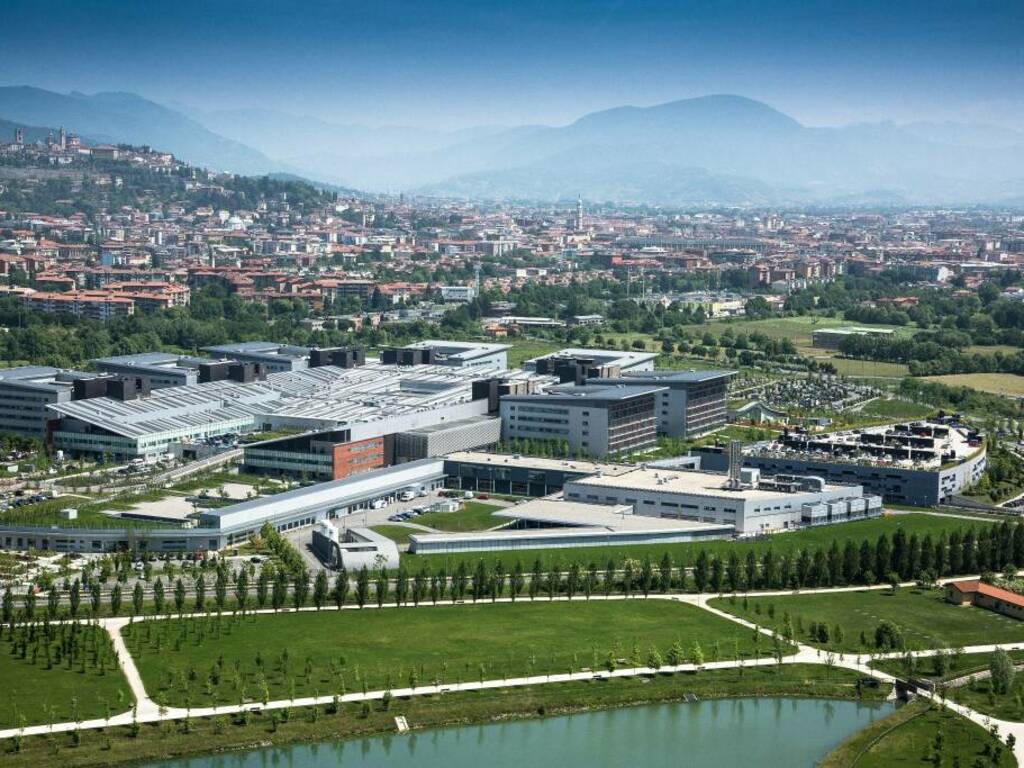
(457, 63)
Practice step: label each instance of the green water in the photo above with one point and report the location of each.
(767, 733)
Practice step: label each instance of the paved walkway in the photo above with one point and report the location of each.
(147, 710)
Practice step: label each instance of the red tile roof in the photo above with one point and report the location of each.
(974, 586)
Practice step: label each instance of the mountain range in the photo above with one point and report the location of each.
(712, 150)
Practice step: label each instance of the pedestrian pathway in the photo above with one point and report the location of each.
(146, 710)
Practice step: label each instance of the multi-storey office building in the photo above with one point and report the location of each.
(26, 394)
(691, 403)
(594, 419)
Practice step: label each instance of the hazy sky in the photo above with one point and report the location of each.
(454, 63)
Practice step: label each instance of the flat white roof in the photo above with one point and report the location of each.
(533, 462)
(607, 517)
(710, 484)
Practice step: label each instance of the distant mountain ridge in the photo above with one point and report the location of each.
(719, 149)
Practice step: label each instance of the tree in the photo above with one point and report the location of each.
(8, 606)
(52, 601)
(115, 600)
(696, 654)
(380, 587)
(1002, 671)
(888, 636)
(665, 572)
(701, 571)
(300, 591)
(158, 596)
(362, 586)
(179, 596)
(95, 597)
(242, 590)
(220, 589)
(262, 587)
(340, 587)
(75, 598)
(516, 581)
(320, 589)
(137, 598)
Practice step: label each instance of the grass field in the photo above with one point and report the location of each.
(527, 349)
(1007, 384)
(41, 695)
(907, 738)
(924, 616)
(979, 695)
(958, 665)
(397, 533)
(382, 648)
(868, 368)
(896, 409)
(156, 742)
(685, 554)
(796, 329)
(474, 516)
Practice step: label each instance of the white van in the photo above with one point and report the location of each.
(407, 496)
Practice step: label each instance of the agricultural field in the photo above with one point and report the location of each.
(1006, 384)
(473, 516)
(283, 655)
(686, 553)
(923, 616)
(44, 685)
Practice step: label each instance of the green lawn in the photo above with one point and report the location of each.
(897, 409)
(527, 349)
(474, 516)
(979, 695)
(685, 554)
(380, 648)
(397, 533)
(958, 665)
(30, 690)
(869, 368)
(924, 616)
(907, 738)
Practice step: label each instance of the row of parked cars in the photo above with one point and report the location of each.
(13, 502)
(398, 517)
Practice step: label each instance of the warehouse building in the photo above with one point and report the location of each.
(751, 504)
(369, 401)
(556, 523)
(920, 463)
(594, 419)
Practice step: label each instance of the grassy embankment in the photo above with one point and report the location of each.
(282, 655)
(924, 617)
(908, 738)
(686, 553)
(114, 746)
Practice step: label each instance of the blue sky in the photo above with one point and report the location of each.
(454, 63)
